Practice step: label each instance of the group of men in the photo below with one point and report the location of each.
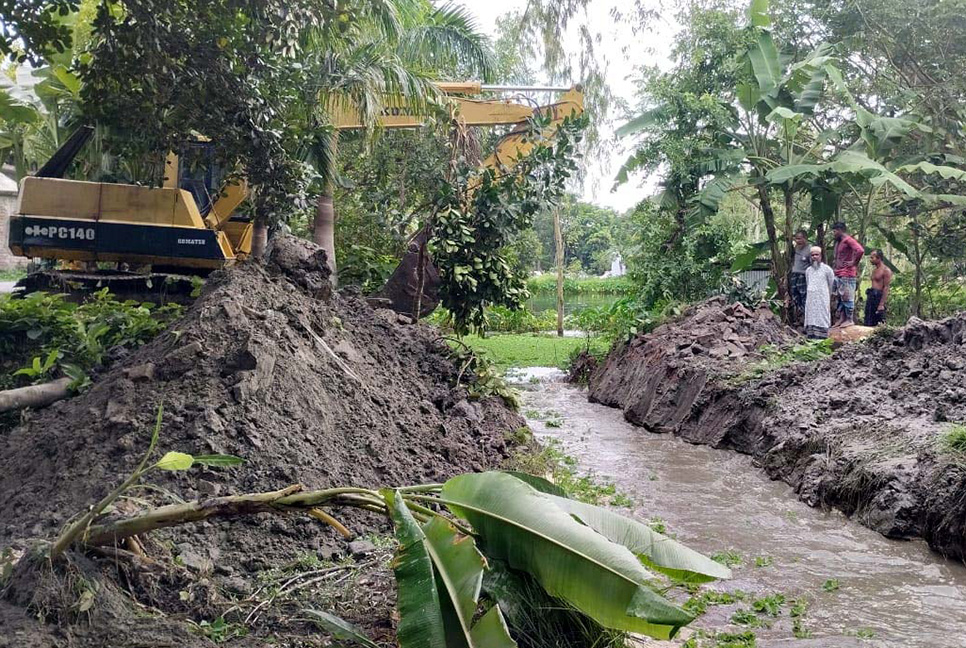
(812, 283)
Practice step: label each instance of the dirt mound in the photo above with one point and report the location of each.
(858, 431)
(307, 386)
(656, 377)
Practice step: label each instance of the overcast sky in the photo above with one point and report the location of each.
(621, 50)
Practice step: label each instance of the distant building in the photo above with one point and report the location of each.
(617, 267)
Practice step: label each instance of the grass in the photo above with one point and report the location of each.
(555, 465)
(547, 283)
(524, 350)
(776, 358)
(953, 440)
(12, 275)
(830, 585)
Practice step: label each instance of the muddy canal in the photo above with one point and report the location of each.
(890, 593)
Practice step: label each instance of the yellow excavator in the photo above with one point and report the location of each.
(189, 225)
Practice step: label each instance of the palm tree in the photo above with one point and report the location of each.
(394, 55)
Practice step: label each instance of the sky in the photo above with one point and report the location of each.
(621, 50)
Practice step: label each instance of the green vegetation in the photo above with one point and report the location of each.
(775, 358)
(698, 603)
(12, 275)
(43, 333)
(547, 283)
(729, 558)
(561, 469)
(764, 561)
(831, 585)
(530, 350)
(798, 612)
(518, 518)
(953, 440)
(480, 375)
(746, 617)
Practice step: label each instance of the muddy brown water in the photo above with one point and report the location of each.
(715, 500)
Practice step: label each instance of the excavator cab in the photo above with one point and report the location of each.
(168, 233)
(200, 174)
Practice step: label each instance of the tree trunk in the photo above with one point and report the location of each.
(323, 234)
(323, 231)
(915, 308)
(559, 257)
(34, 395)
(259, 237)
(779, 267)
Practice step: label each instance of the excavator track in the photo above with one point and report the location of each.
(157, 287)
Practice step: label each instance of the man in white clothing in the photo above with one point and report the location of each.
(818, 278)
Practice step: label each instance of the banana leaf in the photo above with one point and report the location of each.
(527, 530)
(765, 63)
(653, 549)
(439, 573)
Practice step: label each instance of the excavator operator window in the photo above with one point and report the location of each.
(200, 174)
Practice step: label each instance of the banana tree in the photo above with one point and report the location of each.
(774, 127)
(603, 566)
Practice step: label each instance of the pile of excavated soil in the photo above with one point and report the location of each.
(307, 386)
(655, 377)
(858, 431)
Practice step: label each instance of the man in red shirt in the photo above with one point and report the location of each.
(848, 253)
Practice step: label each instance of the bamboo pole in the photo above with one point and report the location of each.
(559, 258)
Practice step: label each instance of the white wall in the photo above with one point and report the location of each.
(8, 203)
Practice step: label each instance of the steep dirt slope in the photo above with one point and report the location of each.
(858, 431)
(308, 387)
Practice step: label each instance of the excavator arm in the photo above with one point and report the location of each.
(402, 290)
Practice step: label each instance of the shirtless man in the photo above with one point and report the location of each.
(876, 296)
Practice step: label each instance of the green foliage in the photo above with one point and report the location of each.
(729, 558)
(530, 350)
(561, 469)
(831, 585)
(547, 284)
(770, 605)
(776, 357)
(745, 617)
(221, 631)
(69, 337)
(439, 576)
(698, 603)
(12, 275)
(570, 560)
(339, 628)
(482, 377)
(479, 214)
(953, 440)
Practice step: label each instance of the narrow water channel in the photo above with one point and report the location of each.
(899, 593)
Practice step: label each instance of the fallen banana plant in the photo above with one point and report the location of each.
(601, 564)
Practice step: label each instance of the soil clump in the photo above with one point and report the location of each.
(860, 431)
(268, 364)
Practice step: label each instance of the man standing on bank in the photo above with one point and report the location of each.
(796, 278)
(848, 253)
(819, 279)
(875, 297)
